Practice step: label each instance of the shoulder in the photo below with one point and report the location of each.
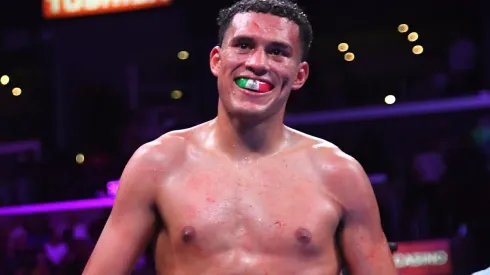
(332, 160)
(340, 173)
(160, 152)
(152, 162)
(327, 157)
(160, 155)
(170, 149)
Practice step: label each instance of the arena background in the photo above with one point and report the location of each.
(81, 90)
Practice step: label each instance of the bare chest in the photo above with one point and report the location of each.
(273, 207)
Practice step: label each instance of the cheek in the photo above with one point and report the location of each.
(286, 67)
(226, 67)
(230, 59)
(288, 74)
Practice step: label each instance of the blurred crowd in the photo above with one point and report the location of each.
(37, 249)
(40, 245)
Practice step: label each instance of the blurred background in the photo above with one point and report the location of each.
(401, 86)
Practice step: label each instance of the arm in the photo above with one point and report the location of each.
(362, 239)
(132, 219)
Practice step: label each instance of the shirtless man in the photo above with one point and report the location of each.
(242, 193)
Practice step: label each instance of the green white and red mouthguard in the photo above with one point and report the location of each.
(254, 85)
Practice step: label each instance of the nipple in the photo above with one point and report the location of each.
(188, 233)
(303, 235)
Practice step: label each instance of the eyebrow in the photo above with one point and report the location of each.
(277, 44)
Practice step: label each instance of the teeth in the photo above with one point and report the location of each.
(254, 85)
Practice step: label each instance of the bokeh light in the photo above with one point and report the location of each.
(4, 80)
(418, 49)
(176, 94)
(402, 28)
(349, 56)
(183, 55)
(390, 99)
(343, 47)
(80, 158)
(413, 36)
(16, 91)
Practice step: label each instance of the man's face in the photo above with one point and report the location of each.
(260, 47)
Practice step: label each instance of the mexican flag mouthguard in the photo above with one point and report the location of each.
(255, 85)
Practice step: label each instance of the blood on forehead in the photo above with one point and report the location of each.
(265, 26)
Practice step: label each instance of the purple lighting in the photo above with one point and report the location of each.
(481, 101)
(112, 187)
(57, 207)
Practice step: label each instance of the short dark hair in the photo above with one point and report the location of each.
(282, 8)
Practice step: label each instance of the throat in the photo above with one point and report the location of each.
(238, 137)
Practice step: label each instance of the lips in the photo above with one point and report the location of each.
(255, 85)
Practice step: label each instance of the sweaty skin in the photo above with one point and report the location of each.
(244, 194)
(275, 215)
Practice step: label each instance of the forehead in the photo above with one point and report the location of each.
(266, 26)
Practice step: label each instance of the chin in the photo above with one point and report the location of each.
(256, 116)
(247, 112)
(251, 109)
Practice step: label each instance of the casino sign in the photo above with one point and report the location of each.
(423, 258)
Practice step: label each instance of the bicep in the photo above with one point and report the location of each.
(364, 246)
(362, 239)
(128, 228)
(119, 245)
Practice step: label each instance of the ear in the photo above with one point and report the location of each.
(215, 60)
(301, 76)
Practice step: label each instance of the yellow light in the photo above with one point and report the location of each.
(183, 55)
(390, 99)
(80, 158)
(16, 91)
(402, 28)
(176, 94)
(349, 56)
(413, 36)
(417, 49)
(4, 80)
(343, 47)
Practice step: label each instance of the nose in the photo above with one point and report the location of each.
(258, 63)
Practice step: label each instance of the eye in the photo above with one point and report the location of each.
(277, 52)
(244, 46)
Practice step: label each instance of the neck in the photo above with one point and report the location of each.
(242, 138)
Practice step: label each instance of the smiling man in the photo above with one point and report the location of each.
(243, 193)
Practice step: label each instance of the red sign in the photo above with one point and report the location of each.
(76, 8)
(423, 258)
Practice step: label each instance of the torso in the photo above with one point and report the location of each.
(276, 215)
